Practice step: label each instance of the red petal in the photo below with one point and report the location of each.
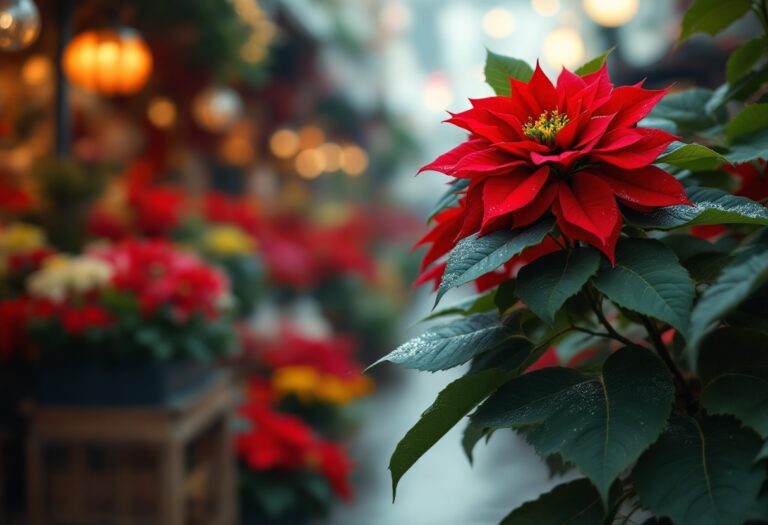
(503, 195)
(540, 205)
(648, 186)
(543, 90)
(631, 104)
(651, 144)
(490, 160)
(594, 129)
(445, 163)
(590, 205)
(575, 233)
(434, 274)
(568, 86)
(474, 206)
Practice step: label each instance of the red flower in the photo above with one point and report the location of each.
(221, 208)
(14, 316)
(13, 199)
(77, 320)
(752, 177)
(548, 359)
(572, 149)
(157, 210)
(336, 467)
(275, 441)
(27, 262)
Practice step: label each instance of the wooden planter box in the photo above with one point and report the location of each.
(153, 465)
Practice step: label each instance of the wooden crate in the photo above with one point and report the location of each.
(134, 466)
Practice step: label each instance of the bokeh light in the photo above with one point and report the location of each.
(354, 160)
(611, 13)
(310, 163)
(498, 23)
(437, 95)
(284, 143)
(37, 70)
(563, 48)
(161, 112)
(546, 7)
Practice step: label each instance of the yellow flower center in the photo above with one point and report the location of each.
(546, 126)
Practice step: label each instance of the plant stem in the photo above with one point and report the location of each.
(663, 352)
(561, 245)
(597, 308)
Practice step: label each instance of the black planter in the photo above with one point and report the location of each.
(88, 384)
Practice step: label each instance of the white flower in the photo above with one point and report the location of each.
(63, 275)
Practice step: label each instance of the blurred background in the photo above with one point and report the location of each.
(207, 213)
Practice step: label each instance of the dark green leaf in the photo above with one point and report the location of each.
(506, 296)
(711, 206)
(685, 109)
(686, 247)
(741, 90)
(469, 438)
(712, 16)
(707, 266)
(498, 70)
(749, 147)
(738, 279)
(546, 283)
(701, 473)
(733, 364)
(741, 61)
(749, 120)
(693, 157)
(452, 404)
(602, 424)
(475, 256)
(472, 305)
(595, 64)
(574, 503)
(647, 278)
(451, 344)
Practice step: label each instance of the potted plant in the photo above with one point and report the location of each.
(137, 322)
(610, 333)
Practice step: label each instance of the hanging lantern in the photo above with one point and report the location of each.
(109, 62)
(217, 108)
(19, 24)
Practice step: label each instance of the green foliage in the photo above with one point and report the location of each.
(600, 423)
(733, 364)
(449, 198)
(574, 503)
(545, 284)
(701, 472)
(710, 206)
(451, 405)
(647, 278)
(451, 344)
(744, 58)
(739, 278)
(692, 157)
(499, 69)
(712, 16)
(595, 64)
(475, 256)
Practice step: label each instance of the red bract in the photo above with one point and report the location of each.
(223, 209)
(78, 319)
(752, 177)
(14, 316)
(332, 355)
(30, 261)
(570, 149)
(160, 275)
(157, 210)
(336, 467)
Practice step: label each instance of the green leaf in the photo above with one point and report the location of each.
(451, 344)
(741, 90)
(694, 157)
(469, 438)
(744, 274)
(686, 109)
(712, 16)
(749, 147)
(741, 61)
(647, 278)
(701, 472)
(595, 64)
(711, 206)
(749, 120)
(546, 283)
(498, 70)
(475, 256)
(574, 503)
(472, 305)
(602, 424)
(452, 404)
(734, 369)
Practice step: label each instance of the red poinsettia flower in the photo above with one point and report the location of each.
(571, 149)
(752, 178)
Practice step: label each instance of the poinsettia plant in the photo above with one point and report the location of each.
(616, 333)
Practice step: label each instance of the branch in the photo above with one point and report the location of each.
(597, 308)
(663, 351)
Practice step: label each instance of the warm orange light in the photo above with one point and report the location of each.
(161, 112)
(309, 164)
(284, 143)
(354, 160)
(108, 62)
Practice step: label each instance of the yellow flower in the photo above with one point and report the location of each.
(63, 275)
(227, 241)
(309, 385)
(20, 237)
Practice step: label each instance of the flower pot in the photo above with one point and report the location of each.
(90, 384)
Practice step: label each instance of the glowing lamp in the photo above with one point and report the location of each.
(109, 62)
